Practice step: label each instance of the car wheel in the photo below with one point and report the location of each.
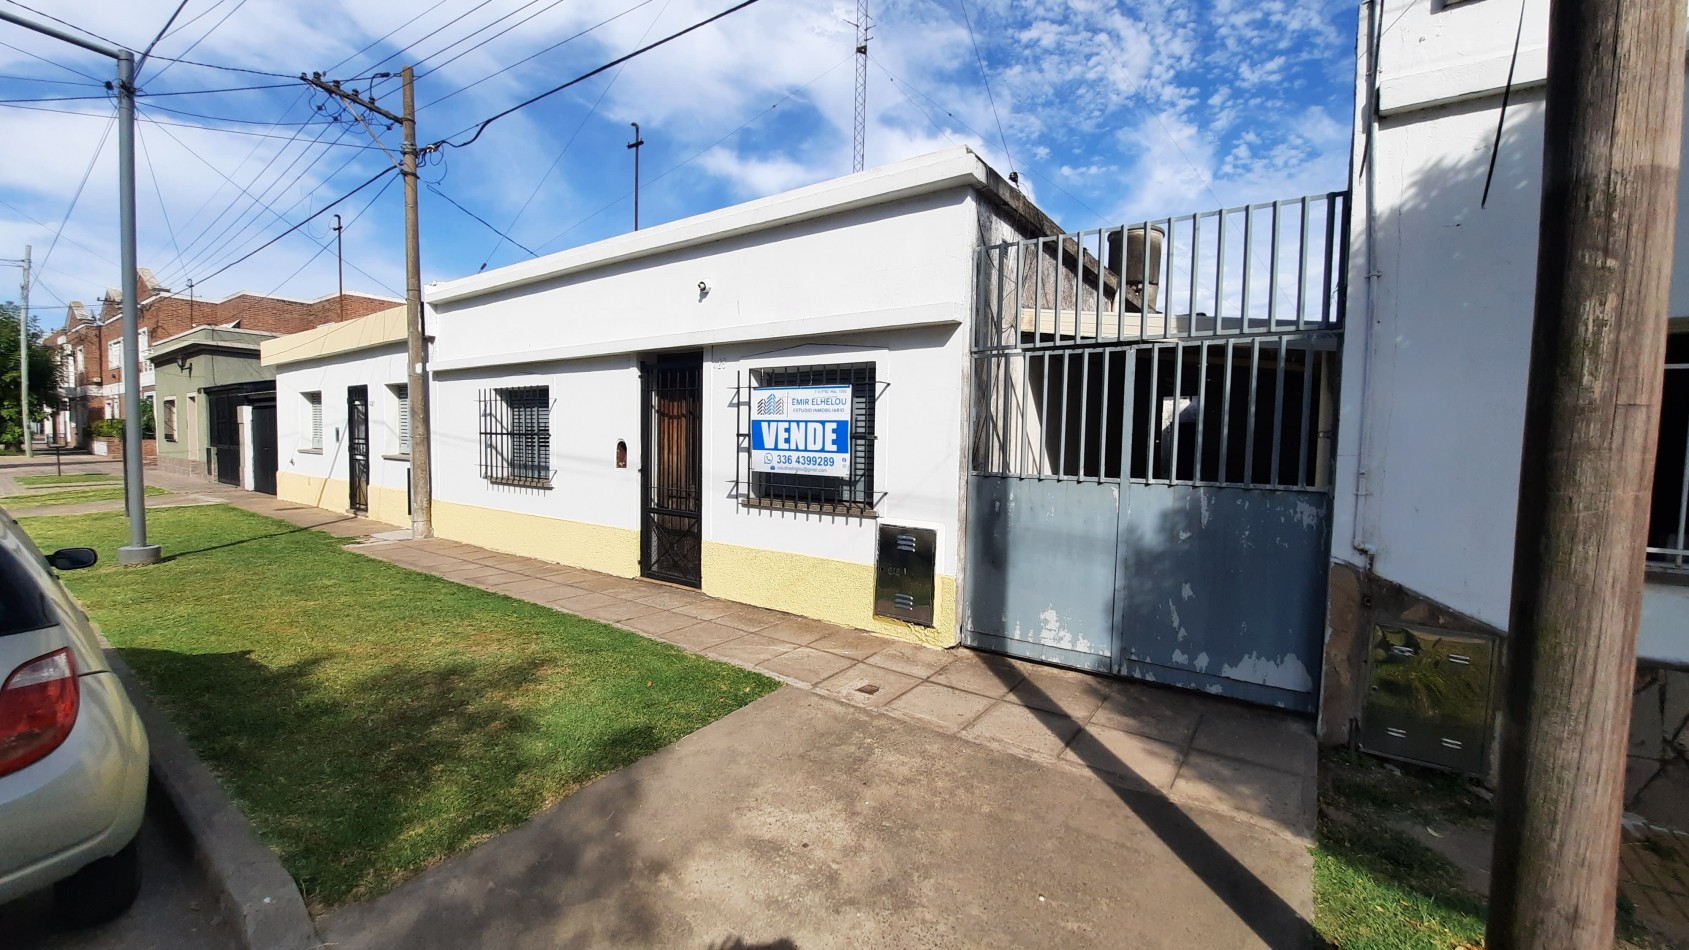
(103, 889)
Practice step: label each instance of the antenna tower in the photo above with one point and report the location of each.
(860, 142)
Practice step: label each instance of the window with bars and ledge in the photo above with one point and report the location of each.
(516, 436)
(851, 495)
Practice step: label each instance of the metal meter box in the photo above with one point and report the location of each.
(904, 574)
(1430, 697)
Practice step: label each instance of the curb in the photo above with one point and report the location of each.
(255, 892)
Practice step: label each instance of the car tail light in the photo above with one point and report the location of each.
(38, 707)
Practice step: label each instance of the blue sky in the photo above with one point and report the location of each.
(1109, 112)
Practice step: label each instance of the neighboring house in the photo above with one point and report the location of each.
(90, 344)
(208, 385)
(1441, 287)
(331, 381)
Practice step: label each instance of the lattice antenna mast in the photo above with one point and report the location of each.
(860, 142)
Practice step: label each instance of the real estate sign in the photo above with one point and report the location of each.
(801, 430)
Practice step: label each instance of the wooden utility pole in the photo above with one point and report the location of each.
(1610, 171)
(416, 343)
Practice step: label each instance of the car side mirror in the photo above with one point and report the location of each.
(73, 559)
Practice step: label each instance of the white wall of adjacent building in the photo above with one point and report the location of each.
(1433, 390)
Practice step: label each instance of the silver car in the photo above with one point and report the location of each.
(73, 754)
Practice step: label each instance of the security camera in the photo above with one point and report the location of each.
(703, 286)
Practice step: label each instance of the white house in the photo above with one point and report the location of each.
(343, 418)
(595, 407)
(1440, 304)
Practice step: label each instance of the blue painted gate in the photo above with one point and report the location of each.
(1149, 493)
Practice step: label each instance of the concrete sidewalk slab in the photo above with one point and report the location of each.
(799, 821)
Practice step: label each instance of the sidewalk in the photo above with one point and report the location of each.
(897, 794)
(1243, 761)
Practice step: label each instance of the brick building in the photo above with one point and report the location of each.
(89, 344)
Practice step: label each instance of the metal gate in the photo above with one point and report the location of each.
(1152, 422)
(264, 455)
(225, 437)
(357, 447)
(671, 470)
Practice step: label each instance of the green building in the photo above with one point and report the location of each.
(214, 407)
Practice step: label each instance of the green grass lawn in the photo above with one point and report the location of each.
(78, 478)
(372, 720)
(69, 496)
(1378, 888)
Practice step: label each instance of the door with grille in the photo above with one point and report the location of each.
(671, 469)
(357, 447)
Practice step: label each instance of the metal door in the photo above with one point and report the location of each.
(264, 456)
(1149, 490)
(671, 469)
(225, 437)
(357, 447)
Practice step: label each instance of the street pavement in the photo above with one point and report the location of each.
(175, 911)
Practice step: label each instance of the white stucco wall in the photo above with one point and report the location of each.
(901, 272)
(1450, 333)
(377, 368)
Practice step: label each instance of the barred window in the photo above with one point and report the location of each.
(853, 494)
(516, 436)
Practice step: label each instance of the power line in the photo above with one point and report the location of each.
(701, 152)
(231, 69)
(483, 221)
(384, 37)
(69, 240)
(904, 88)
(152, 171)
(18, 49)
(566, 145)
(196, 18)
(232, 11)
(986, 80)
(65, 222)
(429, 35)
(314, 215)
(56, 82)
(536, 55)
(106, 39)
(324, 249)
(161, 31)
(482, 126)
(224, 118)
(212, 128)
(221, 242)
(471, 49)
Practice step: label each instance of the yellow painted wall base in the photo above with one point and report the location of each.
(386, 505)
(575, 544)
(821, 588)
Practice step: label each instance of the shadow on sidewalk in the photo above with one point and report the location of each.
(1273, 919)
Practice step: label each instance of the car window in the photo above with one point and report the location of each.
(23, 605)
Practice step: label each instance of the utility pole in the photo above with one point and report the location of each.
(190, 301)
(23, 359)
(416, 343)
(636, 145)
(1611, 132)
(340, 256)
(137, 551)
(859, 140)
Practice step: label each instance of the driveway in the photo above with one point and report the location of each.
(801, 821)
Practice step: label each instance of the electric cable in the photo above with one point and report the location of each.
(314, 215)
(482, 221)
(986, 80)
(483, 124)
(534, 56)
(65, 221)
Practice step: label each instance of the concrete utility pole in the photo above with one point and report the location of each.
(416, 343)
(1610, 171)
(23, 358)
(340, 259)
(137, 551)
